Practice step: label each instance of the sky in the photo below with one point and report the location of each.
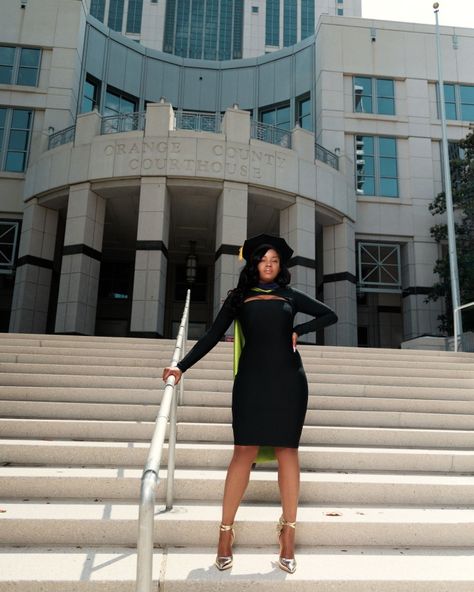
(455, 13)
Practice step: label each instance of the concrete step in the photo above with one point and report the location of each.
(342, 487)
(191, 455)
(209, 415)
(44, 522)
(194, 432)
(313, 372)
(320, 569)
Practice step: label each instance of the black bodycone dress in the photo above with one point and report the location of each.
(270, 392)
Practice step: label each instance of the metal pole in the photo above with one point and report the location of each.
(171, 453)
(453, 261)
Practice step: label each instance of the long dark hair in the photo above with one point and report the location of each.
(249, 276)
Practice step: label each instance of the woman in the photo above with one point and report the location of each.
(270, 392)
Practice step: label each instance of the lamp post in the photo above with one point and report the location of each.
(453, 260)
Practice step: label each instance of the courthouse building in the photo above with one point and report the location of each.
(134, 166)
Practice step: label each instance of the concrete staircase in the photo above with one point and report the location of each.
(387, 455)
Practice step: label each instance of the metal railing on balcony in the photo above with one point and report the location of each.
(62, 137)
(271, 134)
(198, 122)
(123, 122)
(324, 155)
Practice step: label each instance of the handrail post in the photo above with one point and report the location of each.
(171, 454)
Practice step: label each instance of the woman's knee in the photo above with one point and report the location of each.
(245, 453)
(286, 454)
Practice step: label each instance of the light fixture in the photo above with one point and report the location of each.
(191, 263)
(50, 130)
(23, 3)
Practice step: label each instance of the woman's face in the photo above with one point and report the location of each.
(269, 266)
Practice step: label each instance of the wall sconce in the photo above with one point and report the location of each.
(235, 106)
(50, 130)
(191, 263)
(23, 3)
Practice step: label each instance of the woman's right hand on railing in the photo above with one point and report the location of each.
(168, 371)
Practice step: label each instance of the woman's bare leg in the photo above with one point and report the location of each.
(289, 483)
(236, 482)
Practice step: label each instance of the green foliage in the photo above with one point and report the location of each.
(462, 172)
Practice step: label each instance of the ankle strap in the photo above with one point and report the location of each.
(283, 522)
(226, 527)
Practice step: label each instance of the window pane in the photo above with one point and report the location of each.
(30, 57)
(389, 187)
(18, 140)
(449, 92)
(87, 105)
(21, 119)
(112, 102)
(272, 23)
(387, 147)
(450, 111)
(283, 117)
(15, 162)
(363, 104)
(7, 55)
(268, 117)
(134, 17)
(116, 14)
(126, 106)
(368, 167)
(384, 88)
(366, 143)
(6, 74)
(467, 94)
(386, 106)
(363, 85)
(367, 185)
(3, 115)
(467, 112)
(27, 76)
(388, 167)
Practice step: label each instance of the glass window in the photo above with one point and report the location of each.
(8, 242)
(116, 103)
(238, 29)
(450, 101)
(29, 66)
(340, 12)
(7, 59)
(466, 94)
(289, 22)
(97, 9)
(90, 95)
(255, 9)
(134, 16)
(307, 18)
(116, 14)
(278, 116)
(376, 166)
(379, 266)
(304, 113)
(272, 23)
(374, 95)
(170, 17)
(210, 30)
(15, 130)
(362, 94)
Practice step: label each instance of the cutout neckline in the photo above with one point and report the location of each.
(265, 297)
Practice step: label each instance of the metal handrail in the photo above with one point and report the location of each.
(324, 155)
(270, 133)
(62, 137)
(198, 122)
(456, 329)
(150, 476)
(123, 122)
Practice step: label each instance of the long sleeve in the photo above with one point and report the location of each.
(324, 315)
(222, 322)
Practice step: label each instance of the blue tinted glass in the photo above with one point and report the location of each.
(387, 147)
(283, 117)
(368, 167)
(366, 143)
(467, 94)
(450, 110)
(87, 105)
(225, 30)
(112, 102)
(6, 74)
(98, 9)
(15, 162)
(307, 18)
(289, 22)
(18, 140)
(30, 57)
(384, 87)
(7, 55)
(210, 30)
(272, 23)
(134, 16)
(388, 167)
(305, 107)
(449, 92)
(182, 28)
(116, 14)
(467, 112)
(21, 119)
(126, 106)
(268, 117)
(363, 104)
(238, 28)
(366, 185)
(27, 76)
(168, 42)
(363, 85)
(3, 115)
(389, 187)
(386, 106)
(197, 20)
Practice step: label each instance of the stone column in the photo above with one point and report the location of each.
(151, 260)
(297, 227)
(340, 282)
(80, 269)
(231, 232)
(419, 317)
(34, 270)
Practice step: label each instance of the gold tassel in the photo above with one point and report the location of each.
(241, 255)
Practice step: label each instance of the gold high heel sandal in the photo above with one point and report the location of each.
(285, 564)
(223, 563)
